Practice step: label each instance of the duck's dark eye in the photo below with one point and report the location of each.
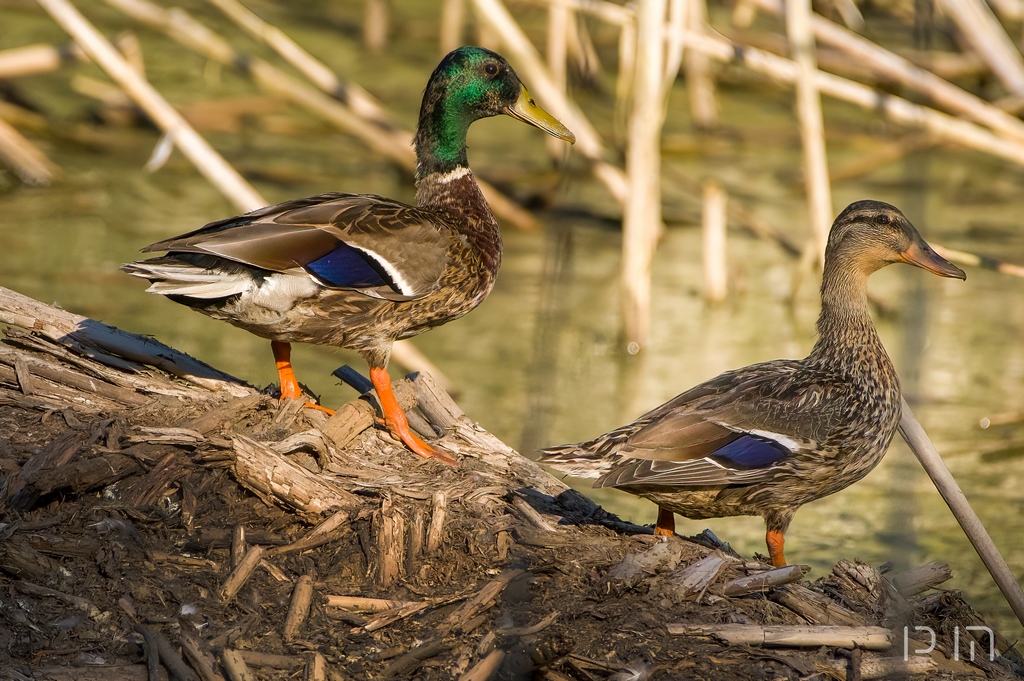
(491, 69)
(883, 219)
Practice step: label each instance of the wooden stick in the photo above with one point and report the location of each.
(986, 36)
(494, 14)
(815, 607)
(920, 579)
(531, 515)
(235, 666)
(238, 548)
(414, 544)
(884, 667)
(894, 67)
(170, 659)
(389, 535)
(237, 578)
(275, 477)
(714, 234)
(791, 636)
(316, 668)
(206, 160)
(944, 127)
(812, 125)
(486, 668)
(408, 663)
(392, 616)
(198, 655)
(763, 581)
(298, 609)
(438, 509)
(972, 526)
(152, 651)
(363, 604)
(78, 602)
(481, 601)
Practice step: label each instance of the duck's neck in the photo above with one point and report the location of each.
(441, 135)
(844, 325)
(444, 182)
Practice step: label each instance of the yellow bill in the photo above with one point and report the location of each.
(526, 110)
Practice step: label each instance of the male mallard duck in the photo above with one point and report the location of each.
(361, 271)
(768, 438)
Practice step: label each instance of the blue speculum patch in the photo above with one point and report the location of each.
(750, 452)
(346, 266)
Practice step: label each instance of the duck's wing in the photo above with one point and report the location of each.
(347, 241)
(737, 429)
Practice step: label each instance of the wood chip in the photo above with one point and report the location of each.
(790, 636)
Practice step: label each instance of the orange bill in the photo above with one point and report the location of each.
(923, 256)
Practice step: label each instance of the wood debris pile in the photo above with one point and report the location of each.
(197, 528)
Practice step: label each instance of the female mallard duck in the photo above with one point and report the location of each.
(768, 438)
(360, 271)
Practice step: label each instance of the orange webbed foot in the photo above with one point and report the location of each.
(398, 424)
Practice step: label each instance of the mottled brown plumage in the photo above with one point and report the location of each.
(361, 271)
(770, 437)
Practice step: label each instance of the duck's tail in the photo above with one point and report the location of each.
(171, 276)
(578, 460)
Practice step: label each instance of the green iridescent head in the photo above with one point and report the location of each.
(471, 83)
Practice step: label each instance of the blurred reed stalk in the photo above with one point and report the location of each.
(203, 156)
(362, 102)
(641, 224)
(559, 18)
(988, 39)
(972, 526)
(32, 59)
(24, 158)
(893, 67)
(700, 84)
(812, 126)
(453, 19)
(944, 127)
(375, 25)
(714, 216)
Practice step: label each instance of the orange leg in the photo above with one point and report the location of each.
(289, 384)
(775, 541)
(396, 422)
(666, 526)
(283, 358)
